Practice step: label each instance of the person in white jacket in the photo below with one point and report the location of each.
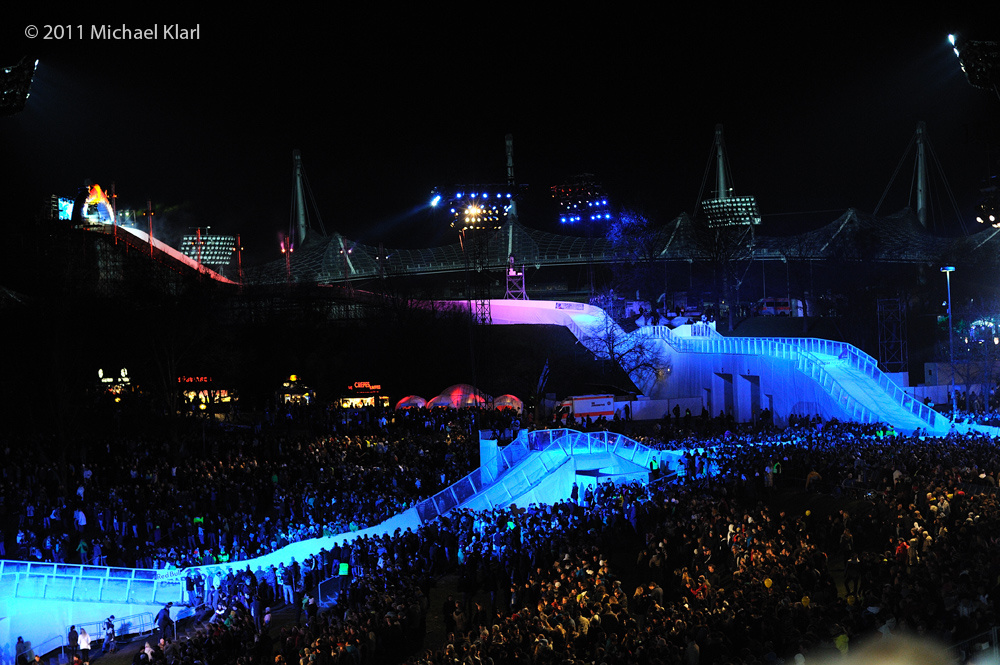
(84, 642)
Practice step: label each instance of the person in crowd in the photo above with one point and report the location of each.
(84, 642)
(109, 643)
(721, 573)
(72, 642)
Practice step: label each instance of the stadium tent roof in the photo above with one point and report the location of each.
(852, 236)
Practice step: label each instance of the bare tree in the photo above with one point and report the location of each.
(636, 352)
(977, 351)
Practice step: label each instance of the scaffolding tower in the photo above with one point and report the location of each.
(892, 353)
(515, 281)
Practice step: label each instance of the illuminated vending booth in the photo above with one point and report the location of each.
(294, 391)
(202, 396)
(364, 393)
(114, 383)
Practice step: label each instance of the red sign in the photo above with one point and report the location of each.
(194, 379)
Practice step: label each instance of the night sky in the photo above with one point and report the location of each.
(818, 112)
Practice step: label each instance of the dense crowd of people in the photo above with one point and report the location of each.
(141, 504)
(707, 570)
(773, 544)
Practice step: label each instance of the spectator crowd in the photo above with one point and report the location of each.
(770, 546)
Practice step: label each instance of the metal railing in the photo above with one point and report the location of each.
(573, 442)
(982, 648)
(805, 352)
(134, 624)
(562, 443)
(83, 583)
(861, 361)
(80, 583)
(331, 588)
(27, 650)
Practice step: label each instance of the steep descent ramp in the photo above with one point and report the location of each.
(860, 387)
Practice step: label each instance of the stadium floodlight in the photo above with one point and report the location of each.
(988, 209)
(15, 86)
(577, 192)
(980, 60)
(214, 251)
(479, 207)
(731, 211)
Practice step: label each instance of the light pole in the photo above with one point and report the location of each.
(947, 270)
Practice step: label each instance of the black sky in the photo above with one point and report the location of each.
(818, 113)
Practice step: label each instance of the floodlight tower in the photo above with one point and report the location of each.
(512, 208)
(731, 221)
(947, 270)
(300, 199)
(988, 209)
(15, 86)
(921, 143)
(980, 60)
(299, 226)
(726, 209)
(921, 176)
(582, 200)
(477, 212)
(722, 191)
(477, 215)
(515, 277)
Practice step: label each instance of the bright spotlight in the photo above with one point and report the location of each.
(436, 200)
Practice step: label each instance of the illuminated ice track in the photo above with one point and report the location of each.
(692, 365)
(738, 375)
(41, 600)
